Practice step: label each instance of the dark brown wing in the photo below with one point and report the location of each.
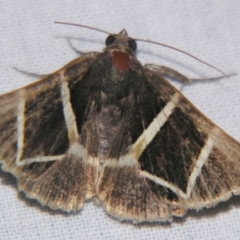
(129, 138)
(40, 142)
(178, 159)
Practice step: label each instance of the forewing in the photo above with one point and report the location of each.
(41, 137)
(125, 192)
(178, 159)
(196, 159)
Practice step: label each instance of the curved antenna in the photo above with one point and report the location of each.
(149, 41)
(84, 26)
(182, 51)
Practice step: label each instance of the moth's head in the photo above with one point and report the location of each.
(121, 41)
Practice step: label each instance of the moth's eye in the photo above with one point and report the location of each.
(132, 45)
(110, 40)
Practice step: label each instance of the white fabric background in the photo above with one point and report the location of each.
(31, 41)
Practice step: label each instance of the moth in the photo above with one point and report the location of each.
(107, 128)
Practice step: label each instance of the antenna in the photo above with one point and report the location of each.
(149, 41)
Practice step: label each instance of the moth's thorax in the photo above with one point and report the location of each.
(119, 67)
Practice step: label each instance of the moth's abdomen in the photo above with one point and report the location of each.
(109, 124)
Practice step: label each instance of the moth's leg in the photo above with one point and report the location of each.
(30, 74)
(178, 76)
(213, 78)
(168, 72)
(88, 54)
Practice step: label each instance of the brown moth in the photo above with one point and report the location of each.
(105, 127)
